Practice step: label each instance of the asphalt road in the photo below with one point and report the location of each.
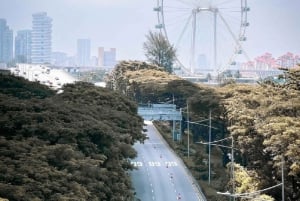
(161, 175)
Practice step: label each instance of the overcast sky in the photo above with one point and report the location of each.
(123, 24)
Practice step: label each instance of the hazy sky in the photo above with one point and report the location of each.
(123, 24)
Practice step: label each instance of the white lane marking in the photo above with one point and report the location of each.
(171, 163)
(136, 163)
(154, 164)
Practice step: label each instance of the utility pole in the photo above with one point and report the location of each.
(188, 129)
(232, 167)
(282, 178)
(209, 146)
(174, 137)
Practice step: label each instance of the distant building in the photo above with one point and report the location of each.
(94, 61)
(288, 60)
(202, 61)
(106, 58)
(41, 38)
(101, 56)
(59, 59)
(6, 43)
(83, 52)
(23, 46)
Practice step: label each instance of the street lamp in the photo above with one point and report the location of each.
(209, 139)
(232, 157)
(198, 123)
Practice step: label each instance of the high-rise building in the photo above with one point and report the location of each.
(41, 38)
(23, 46)
(106, 58)
(101, 56)
(83, 52)
(59, 59)
(6, 42)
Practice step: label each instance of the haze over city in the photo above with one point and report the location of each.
(274, 24)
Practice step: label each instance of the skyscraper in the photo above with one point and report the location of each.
(106, 58)
(6, 42)
(83, 52)
(41, 38)
(23, 46)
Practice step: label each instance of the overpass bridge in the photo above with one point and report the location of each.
(163, 112)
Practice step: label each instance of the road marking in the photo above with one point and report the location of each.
(171, 163)
(136, 163)
(154, 164)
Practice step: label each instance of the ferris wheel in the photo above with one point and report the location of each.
(207, 34)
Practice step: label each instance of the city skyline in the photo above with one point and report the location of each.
(123, 25)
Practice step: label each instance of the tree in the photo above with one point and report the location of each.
(75, 145)
(159, 51)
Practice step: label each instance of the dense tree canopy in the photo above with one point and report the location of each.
(262, 119)
(74, 145)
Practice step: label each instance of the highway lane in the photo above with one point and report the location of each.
(161, 175)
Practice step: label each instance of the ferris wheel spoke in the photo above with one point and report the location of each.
(183, 30)
(225, 2)
(233, 36)
(212, 28)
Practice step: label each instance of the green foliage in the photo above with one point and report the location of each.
(141, 81)
(247, 181)
(18, 87)
(264, 121)
(69, 146)
(159, 52)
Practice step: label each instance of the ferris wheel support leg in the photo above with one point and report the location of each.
(215, 40)
(192, 62)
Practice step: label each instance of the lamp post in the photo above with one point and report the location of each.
(198, 123)
(188, 129)
(232, 157)
(209, 139)
(282, 178)
(209, 146)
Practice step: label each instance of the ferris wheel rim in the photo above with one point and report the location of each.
(241, 35)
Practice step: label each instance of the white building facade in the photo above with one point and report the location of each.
(41, 38)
